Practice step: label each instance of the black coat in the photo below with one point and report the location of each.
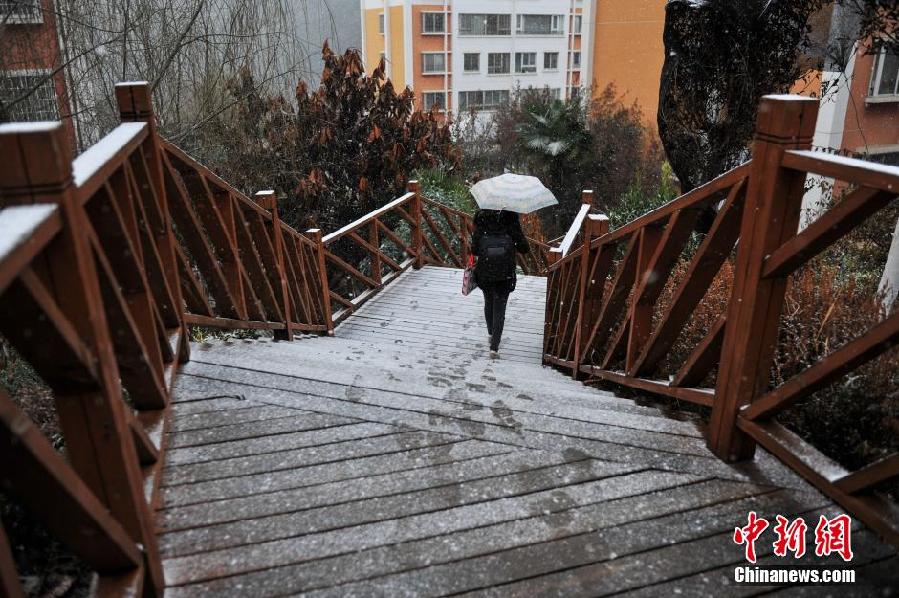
(495, 221)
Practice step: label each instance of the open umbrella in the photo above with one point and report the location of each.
(513, 192)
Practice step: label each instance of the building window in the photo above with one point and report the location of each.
(472, 63)
(485, 24)
(433, 63)
(575, 61)
(881, 155)
(550, 61)
(429, 99)
(554, 93)
(21, 11)
(499, 64)
(525, 62)
(482, 100)
(574, 92)
(381, 23)
(433, 22)
(538, 24)
(885, 76)
(37, 85)
(576, 24)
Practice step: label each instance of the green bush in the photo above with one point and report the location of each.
(446, 188)
(636, 201)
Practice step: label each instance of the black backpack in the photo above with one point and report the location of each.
(496, 257)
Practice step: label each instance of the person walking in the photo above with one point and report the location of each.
(497, 237)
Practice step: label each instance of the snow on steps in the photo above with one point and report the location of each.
(478, 381)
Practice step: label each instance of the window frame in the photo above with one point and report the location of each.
(556, 61)
(425, 55)
(47, 74)
(556, 24)
(497, 96)
(520, 66)
(382, 25)
(508, 63)
(425, 107)
(576, 64)
(35, 15)
(424, 20)
(465, 57)
(577, 24)
(471, 32)
(503, 97)
(873, 95)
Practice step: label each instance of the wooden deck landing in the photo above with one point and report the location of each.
(396, 459)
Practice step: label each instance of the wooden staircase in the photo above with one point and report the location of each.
(382, 452)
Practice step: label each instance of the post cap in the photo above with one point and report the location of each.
(134, 99)
(267, 198)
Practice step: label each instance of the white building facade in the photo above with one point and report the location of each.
(472, 54)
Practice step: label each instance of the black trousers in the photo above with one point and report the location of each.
(495, 299)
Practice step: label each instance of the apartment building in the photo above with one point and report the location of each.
(468, 54)
(30, 64)
(859, 111)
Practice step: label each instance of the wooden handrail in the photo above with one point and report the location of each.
(603, 320)
(360, 222)
(93, 168)
(860, 172)
(104, 263)
(573, 230)
(91, 263)
(697, 198)
(27, 230)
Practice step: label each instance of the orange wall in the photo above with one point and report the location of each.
(628, 51)
(397, 48)
(868, 124)
(426, 43)
(374, 43)
(374, 40)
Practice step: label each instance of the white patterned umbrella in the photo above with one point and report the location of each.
(513, 192)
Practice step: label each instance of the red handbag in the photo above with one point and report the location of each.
(468, 282)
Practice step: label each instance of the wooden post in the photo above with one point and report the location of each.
(595, 226)
(35, 167)
(583, 271)
(770, 217)
(374, 239)
(268, 199)
(136, 105)
(548, 308)
(417, 242)
(315, 235)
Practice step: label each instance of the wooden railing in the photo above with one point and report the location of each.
(389, 239)
(239, 265)
(604, 320)
(105, 263)
(90, 296)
